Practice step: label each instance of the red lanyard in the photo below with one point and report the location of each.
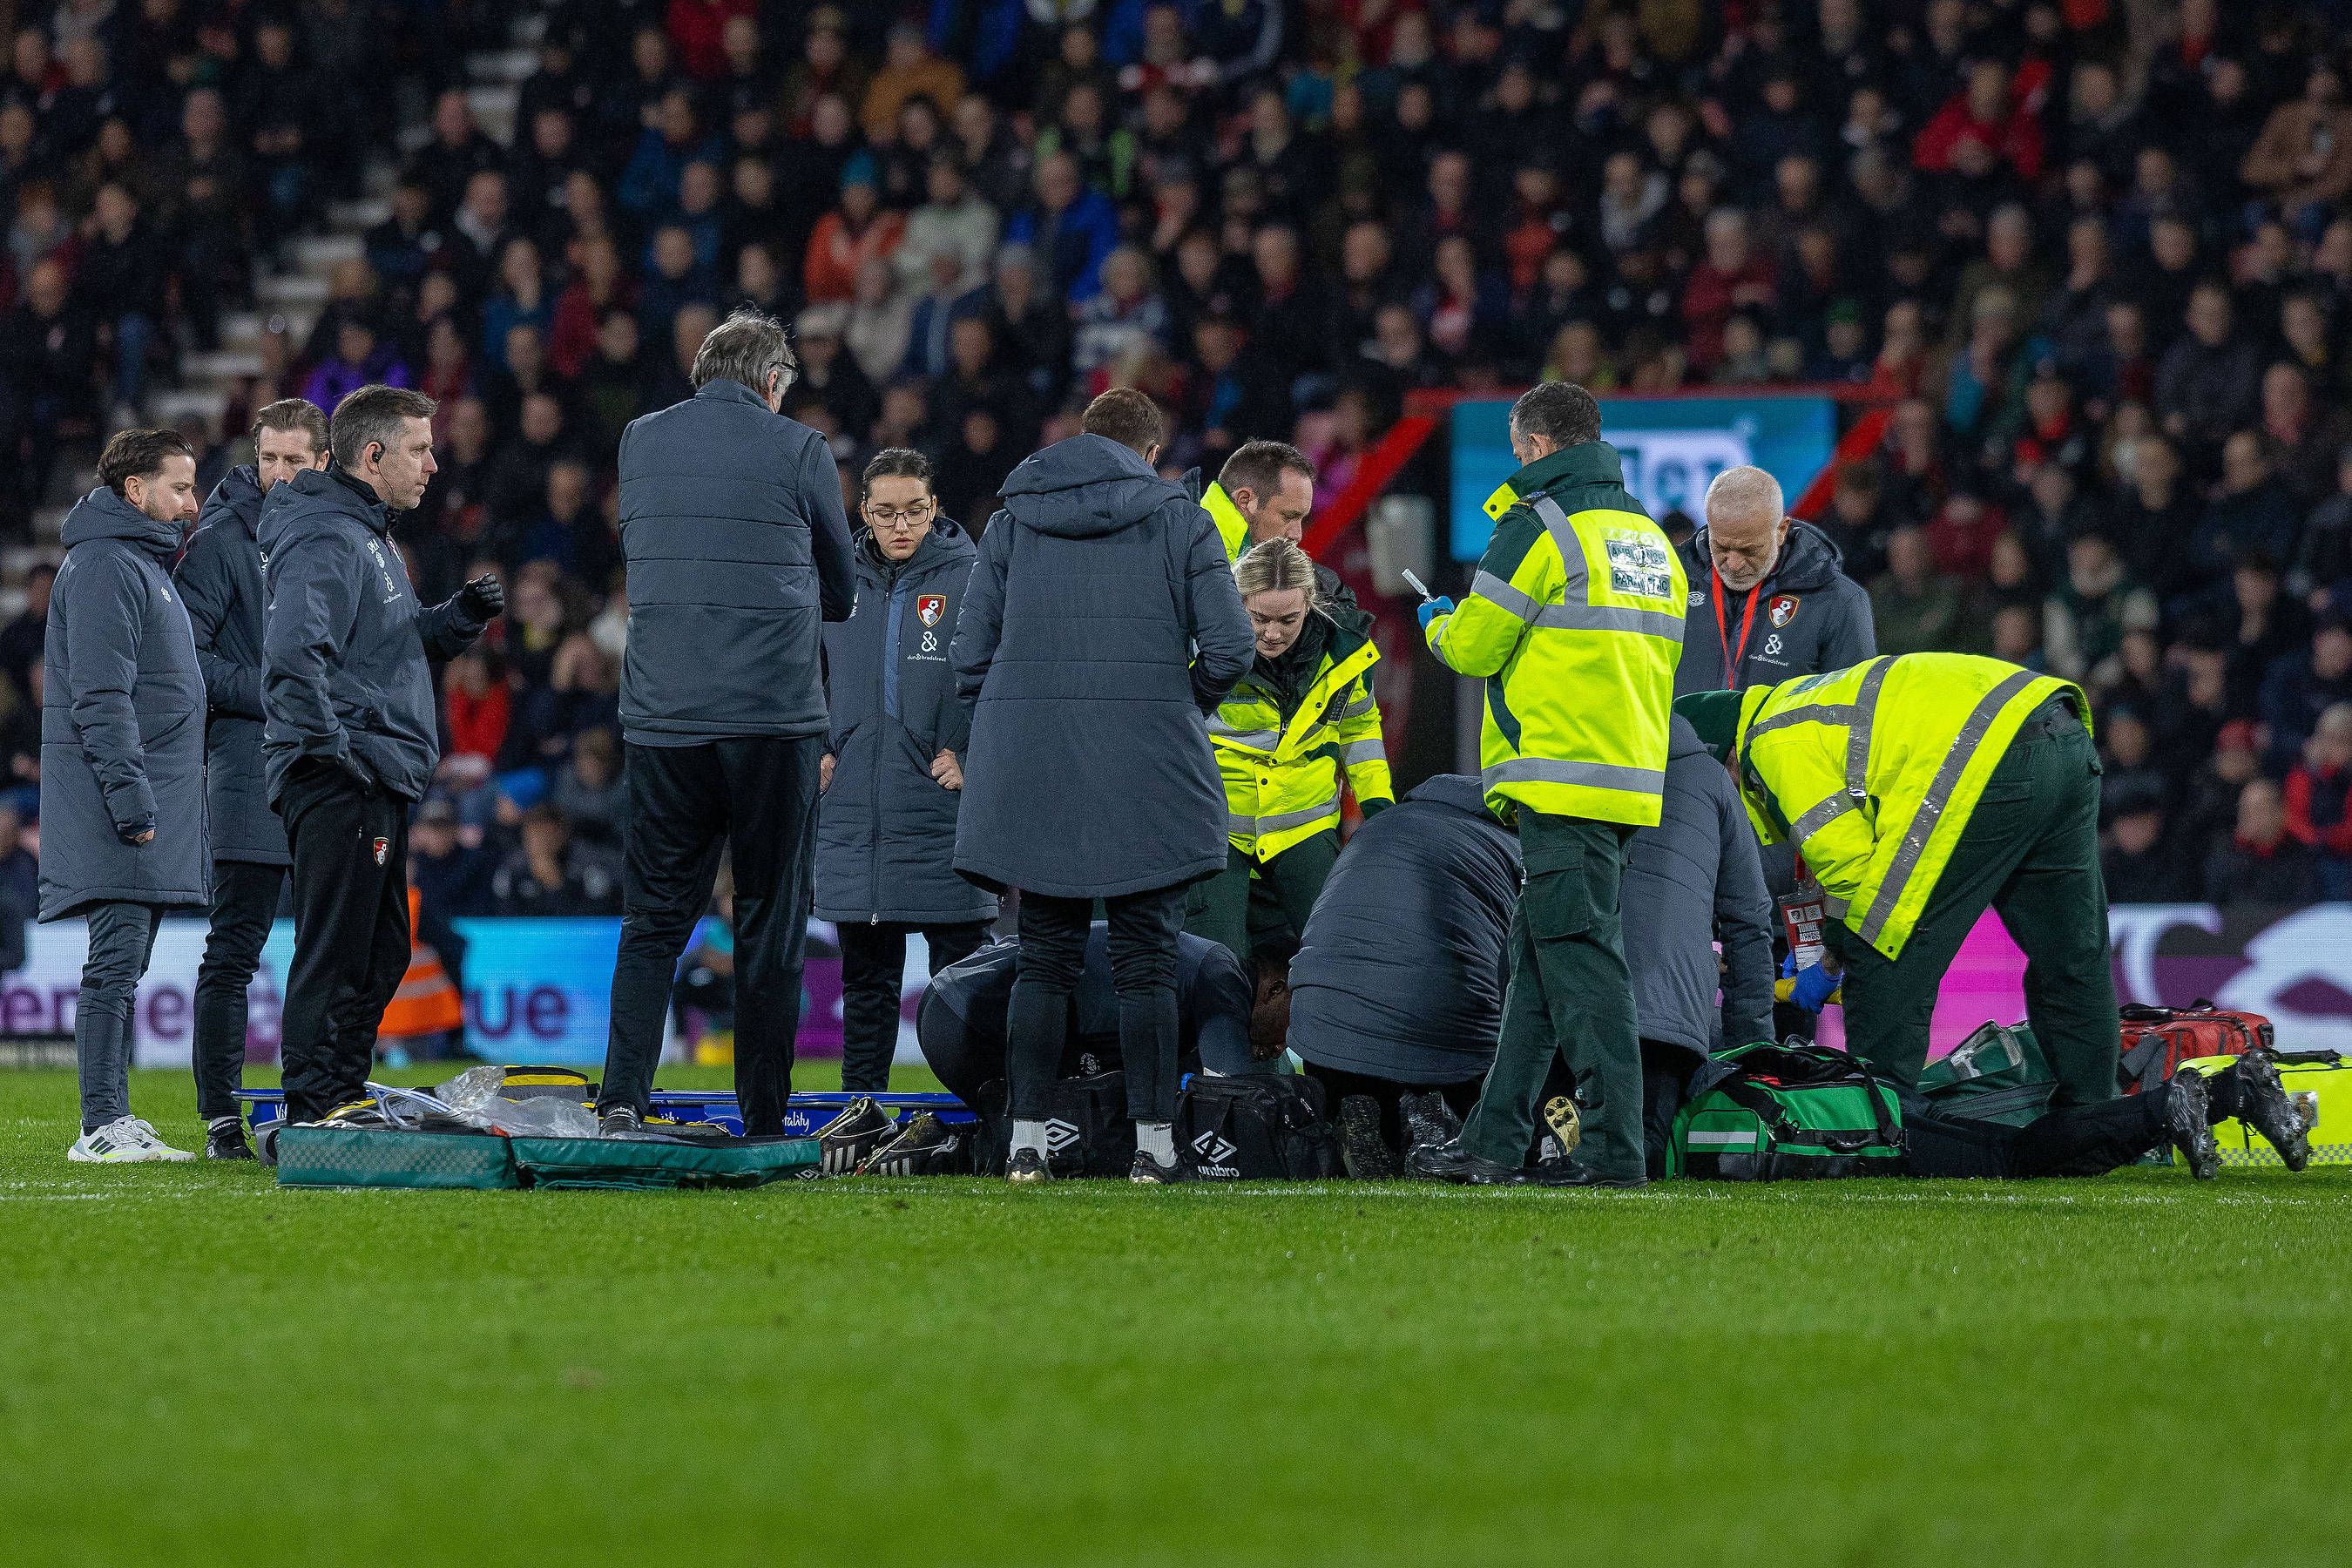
(1732, 658)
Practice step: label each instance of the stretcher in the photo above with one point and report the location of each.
(802, 1116)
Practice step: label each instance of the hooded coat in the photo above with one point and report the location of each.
(220, 583)
(1100, 630)
(346, 675)
(1810, 617)
(886, 829)
(1694, 879)
(1401, 970)
(123, 721)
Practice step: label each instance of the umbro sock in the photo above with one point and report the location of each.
(1028, 1135)
(1157, 1138)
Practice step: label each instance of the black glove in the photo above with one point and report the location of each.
(351, 768)
(482, 598)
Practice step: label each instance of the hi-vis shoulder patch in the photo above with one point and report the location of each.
(1639, 566)
(1504, 498)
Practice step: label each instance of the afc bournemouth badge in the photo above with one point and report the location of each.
(929, 607)
(383, 848)
(1783, 609)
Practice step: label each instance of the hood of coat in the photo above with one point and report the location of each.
(1681, 741)
(237, 498)
(1084, 488)
(301, 502)
(1462, 791)
(1809, 561)
(946, 546)
(103, 515)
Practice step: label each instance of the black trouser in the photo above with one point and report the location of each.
(2071, 1140)
(1666, 1084)
(1386, 1092)
(873, 970)
(756, 798)
(1143, 930)
(351, 932)
(245, 902)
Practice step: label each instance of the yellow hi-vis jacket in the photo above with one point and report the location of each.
(1281, 777)
(1575, 618)
(1232, 526)
(1873, 772)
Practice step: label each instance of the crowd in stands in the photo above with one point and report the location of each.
(2095, 259)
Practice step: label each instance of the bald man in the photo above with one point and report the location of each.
(1768, 600)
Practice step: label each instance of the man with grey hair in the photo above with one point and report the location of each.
(350, 728)
(1769, 598)
(738, 551)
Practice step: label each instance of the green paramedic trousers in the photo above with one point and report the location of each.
(2031, 852)
(1220, 908)
(1569, 993)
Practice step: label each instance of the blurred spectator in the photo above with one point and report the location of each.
(2137, 863)
(548, 874)
(2317, 811)
(2260, 864)
(1917, 608)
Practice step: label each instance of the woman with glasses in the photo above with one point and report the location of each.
(892, 770)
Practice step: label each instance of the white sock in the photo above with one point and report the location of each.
(1157, 1138)
(1028, 1135)
(221, 1124)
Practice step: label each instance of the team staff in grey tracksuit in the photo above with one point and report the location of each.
(1691, 881)
(122, 759)
(1768, 600)
(220, 581)
(352, 730)
(1101, 630)
(737, 553)
(893, 768)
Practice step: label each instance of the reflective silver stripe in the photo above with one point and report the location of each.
(1576, 612)
(1259, 826)
(1857, 739)
(1264, 739)
(1610, 618)
(1823, 814)
(1370, 751)
(1359, 708)
(1805, 713)
(1488, 586)
(1592, 776)
(1939, 794)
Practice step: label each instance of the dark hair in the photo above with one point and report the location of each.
(897, 463)
(1257, 466)
(748, 346)
(1127, 416)
(1559, 411)
(293, 414)
(139, 454)
(371, 416)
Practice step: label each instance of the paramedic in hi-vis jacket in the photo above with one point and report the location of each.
(1575, 623)
(1922, 788)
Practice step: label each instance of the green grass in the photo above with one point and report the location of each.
(196, 1367)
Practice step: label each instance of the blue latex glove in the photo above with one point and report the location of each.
(1814, 986)
(1432, 608)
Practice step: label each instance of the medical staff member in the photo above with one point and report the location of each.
(1575, 623)
(1266, 491)
(892, 770)
(1301, 721)
(1922, 789)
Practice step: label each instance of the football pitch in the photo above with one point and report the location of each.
(197, 1368)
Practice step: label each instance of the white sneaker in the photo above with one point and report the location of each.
(121, 1140)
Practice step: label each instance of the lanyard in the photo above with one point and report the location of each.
(1732, 658)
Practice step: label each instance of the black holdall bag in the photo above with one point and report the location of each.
(1256, 1127)
(1086, 1129)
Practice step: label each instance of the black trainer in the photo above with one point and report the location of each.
(1148, 1172)
(1027, 1168)
(224, 1139)
(619, 1121)
(1449, 1161)
(2189, 1125)
(843, 1142)
(1365, 1154)
(1428, 1121)
(917, 1149)
(1572, 1173)
(2264, 1105)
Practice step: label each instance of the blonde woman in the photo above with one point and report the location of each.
(1301, 722)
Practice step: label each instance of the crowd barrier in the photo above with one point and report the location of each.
(537, 990)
